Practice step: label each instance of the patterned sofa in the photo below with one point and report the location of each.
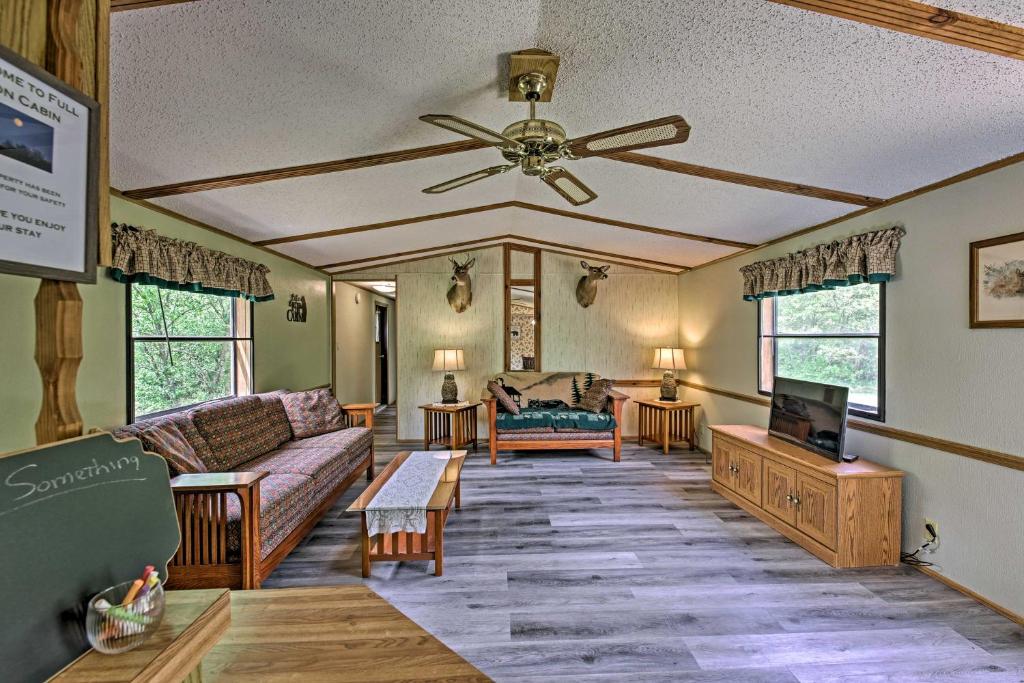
(545, 426)
(247, 490)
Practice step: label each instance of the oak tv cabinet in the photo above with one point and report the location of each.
(847, 514)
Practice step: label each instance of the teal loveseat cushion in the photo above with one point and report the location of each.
(559, 420)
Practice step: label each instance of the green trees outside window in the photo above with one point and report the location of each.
(832, 336)
(185, 348)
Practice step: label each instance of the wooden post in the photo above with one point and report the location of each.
(58, 304)
(58, 355)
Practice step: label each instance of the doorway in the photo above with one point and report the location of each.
(381, 351)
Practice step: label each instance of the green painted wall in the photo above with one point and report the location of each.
(287, 355)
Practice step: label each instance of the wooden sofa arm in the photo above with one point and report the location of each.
(201, 502)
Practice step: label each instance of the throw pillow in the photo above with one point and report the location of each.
(235, 429)
(313, 412)
(596, 397)
(166, 440)
(504, 399)
(277, 418)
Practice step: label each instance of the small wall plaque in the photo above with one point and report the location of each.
(296, 309)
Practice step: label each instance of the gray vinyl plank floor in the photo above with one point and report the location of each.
(571, 567)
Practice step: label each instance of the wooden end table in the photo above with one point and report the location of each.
(357, 411)
(409, 545)
(666, 422)
(452, 426)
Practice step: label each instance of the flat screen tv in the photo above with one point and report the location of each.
(811, 415)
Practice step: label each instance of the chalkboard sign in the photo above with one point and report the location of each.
(75, 517)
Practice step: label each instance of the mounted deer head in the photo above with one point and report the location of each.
(460, 294)
(586, 288)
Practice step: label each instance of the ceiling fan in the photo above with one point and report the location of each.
(534, 143)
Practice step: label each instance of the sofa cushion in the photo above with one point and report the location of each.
(165, 439)
(566, 386)
(504, 400)
(285, 501)
(558, 420)
(185, 426)
(595, 398)
(277, 418)
(580, 435)
(321, 460)
(313, 412)
(235, 429)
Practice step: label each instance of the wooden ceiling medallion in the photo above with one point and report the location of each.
(926, 21)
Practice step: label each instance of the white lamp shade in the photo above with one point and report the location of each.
(669, 359)
(446, 360)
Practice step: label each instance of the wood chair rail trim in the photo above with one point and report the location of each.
(1015, 462)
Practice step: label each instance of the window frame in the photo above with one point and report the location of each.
(234, 338)
(862, 411)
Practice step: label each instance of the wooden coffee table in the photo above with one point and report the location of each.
(407, 545)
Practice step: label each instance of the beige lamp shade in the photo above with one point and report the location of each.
(669, 359)
(446, 360)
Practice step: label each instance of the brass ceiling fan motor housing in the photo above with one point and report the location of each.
(542, 138)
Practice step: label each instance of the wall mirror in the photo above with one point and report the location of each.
(522, 308)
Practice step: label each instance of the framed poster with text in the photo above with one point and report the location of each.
(49, 170)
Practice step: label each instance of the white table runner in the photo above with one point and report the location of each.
(401, 503)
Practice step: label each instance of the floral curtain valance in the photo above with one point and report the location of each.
(868, 257)
(145, 257)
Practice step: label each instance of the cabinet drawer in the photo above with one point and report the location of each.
(816, 509)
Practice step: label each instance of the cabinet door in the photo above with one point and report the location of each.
(721, 461)
(778, 492)
(747, 475)
(817, 510)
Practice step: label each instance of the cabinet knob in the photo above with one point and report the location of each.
(789, 497)
(796, 500)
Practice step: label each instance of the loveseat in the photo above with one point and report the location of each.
(251, 478)
(550, 416)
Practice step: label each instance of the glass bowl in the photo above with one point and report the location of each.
(119, 628)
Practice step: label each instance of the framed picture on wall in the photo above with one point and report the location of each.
(997, 282)
(49, 174)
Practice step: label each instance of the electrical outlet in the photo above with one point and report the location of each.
(934, 540)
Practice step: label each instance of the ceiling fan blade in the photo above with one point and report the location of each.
(472, 130)
(569, 186)
(669, 130)
(468, 178)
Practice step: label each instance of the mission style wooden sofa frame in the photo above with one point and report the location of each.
(544, 442)
(201, 500)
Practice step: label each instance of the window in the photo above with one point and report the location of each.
(185, 348)
(833, 336)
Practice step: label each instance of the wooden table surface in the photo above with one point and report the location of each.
(337, 633)
(193, 620)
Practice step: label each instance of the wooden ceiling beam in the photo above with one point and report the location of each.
(926, 21)
(412, 252)
(224, 182)
(504, 205)
(384, 224)
(632, 226)
(373, 262)
(745, 179)
(122, 5)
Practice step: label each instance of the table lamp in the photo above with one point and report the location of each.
(668, 359)
(447, 360)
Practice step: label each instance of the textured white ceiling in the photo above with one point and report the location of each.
(228, 86)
